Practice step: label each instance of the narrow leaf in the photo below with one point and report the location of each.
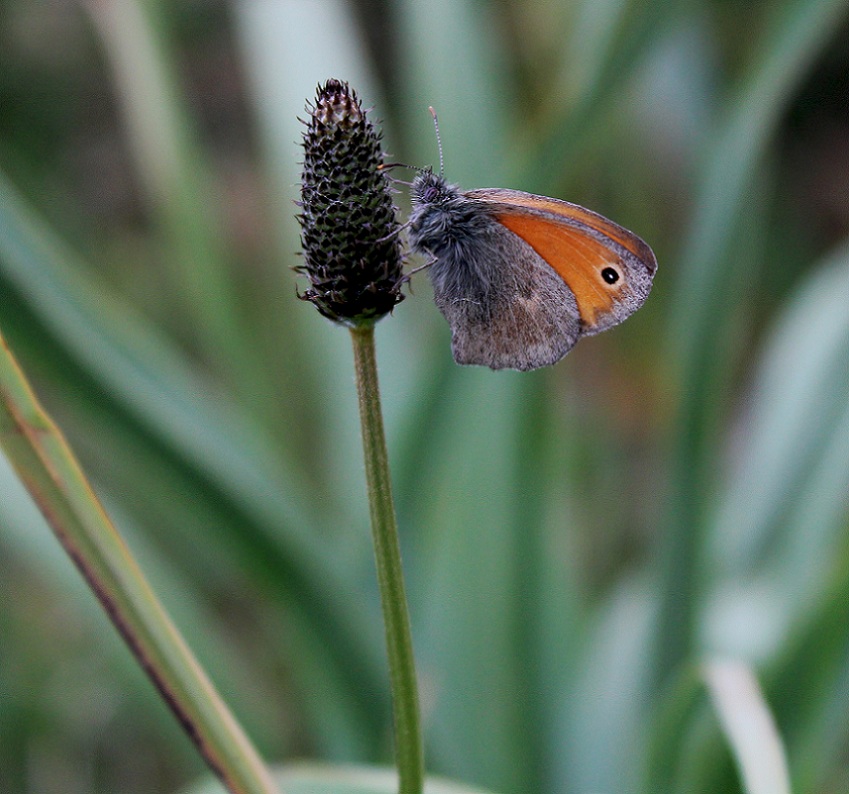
(44, 462)
(748, 726)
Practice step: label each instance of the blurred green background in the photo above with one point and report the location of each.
(577, 540)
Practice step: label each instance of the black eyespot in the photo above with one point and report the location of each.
(610, 275)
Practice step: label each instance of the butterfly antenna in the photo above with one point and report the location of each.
(438, 142)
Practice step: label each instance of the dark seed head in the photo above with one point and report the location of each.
(349, 230)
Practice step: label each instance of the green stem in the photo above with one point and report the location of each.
(46, 465)
(409, 754)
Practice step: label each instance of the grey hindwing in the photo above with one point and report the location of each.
(506, 306)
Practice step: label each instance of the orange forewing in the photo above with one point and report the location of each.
(598, 223)
(575, 255)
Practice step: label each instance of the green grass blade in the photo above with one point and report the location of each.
(797, 32)
(607, 703)
(618, 48)
(195, 456)
(460, 40)
(324, 779)
(26, 538)
(179, 183)
(749, 727)
(787, 492)
(45, 463)
(473, 553)
(817, 727)
(134, 363)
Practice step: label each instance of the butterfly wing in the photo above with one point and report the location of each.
(506, 307)
(608, 269)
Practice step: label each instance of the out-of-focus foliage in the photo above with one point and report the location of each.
(577, 540)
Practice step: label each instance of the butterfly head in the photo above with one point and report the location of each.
(430, 189)
(437, 207)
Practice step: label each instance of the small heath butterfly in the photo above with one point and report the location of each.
(520, 278)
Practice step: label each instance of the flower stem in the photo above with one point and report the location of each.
(399, 643)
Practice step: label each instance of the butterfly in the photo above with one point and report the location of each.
(521, 278)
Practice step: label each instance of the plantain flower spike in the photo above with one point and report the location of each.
(349, 230)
